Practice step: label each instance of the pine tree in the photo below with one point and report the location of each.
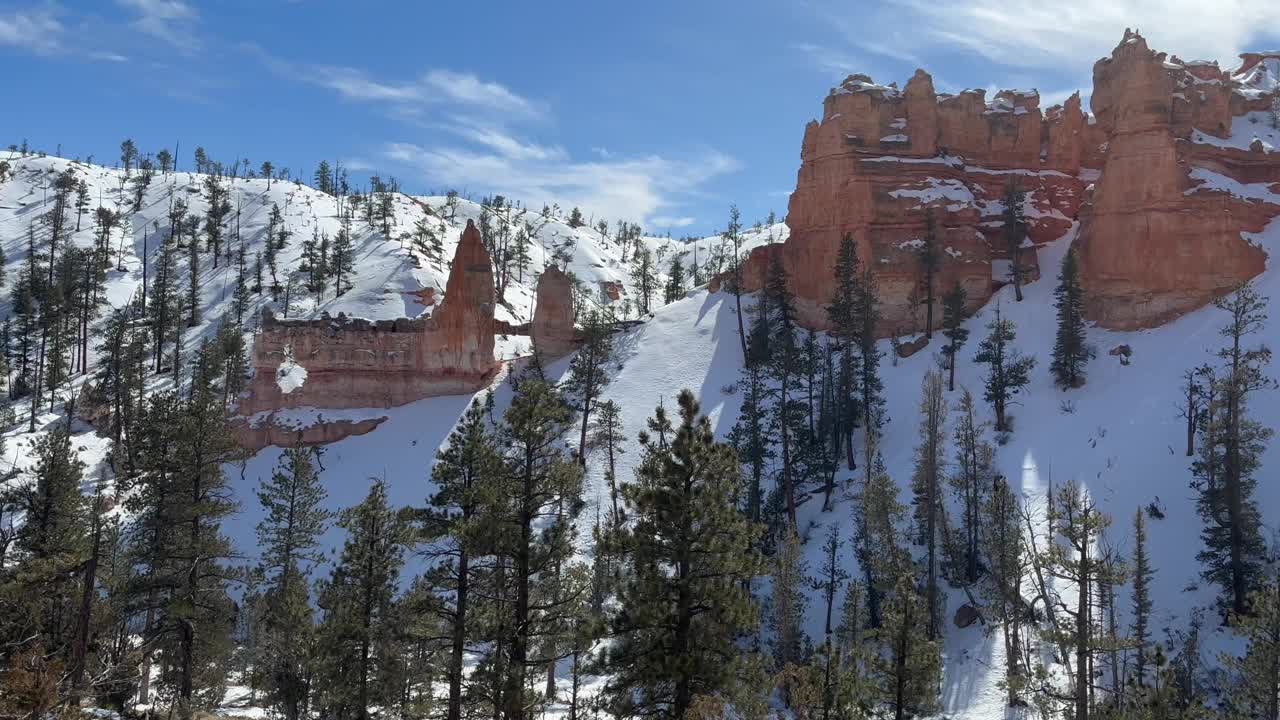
(643, 277)
(926, 486)
(463, 474)
(288, 539)
(606, 433)
(732, 235)
(844, 315)
(930, 263)
(540, 500)
(355, 669)
(1006, 559)
(674, 288)
(1015, 233)
(970, 481)
(1255, 692)
(1071, 350)
(1073, 558)
(38, 584)
(1142, 573)
(575, 219)
(953, 329)
(786, 617)
(684, 605)
(1008, 371)
(340, 265)
(1232, 452)
(588, 370)
(829, 583)
(872, 402)
(786, 413)
(908, 668)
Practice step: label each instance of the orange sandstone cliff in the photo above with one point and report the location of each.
(1158, 234)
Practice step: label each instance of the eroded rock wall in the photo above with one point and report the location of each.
(1157, 240)
(354, 363)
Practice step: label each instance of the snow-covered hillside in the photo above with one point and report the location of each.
(1119, 435)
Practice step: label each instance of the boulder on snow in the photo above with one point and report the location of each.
(911, 347)
(967, 615)
(1124, 352)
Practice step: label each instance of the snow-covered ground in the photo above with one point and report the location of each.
(1119, 436)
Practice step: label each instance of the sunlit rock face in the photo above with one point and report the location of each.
(1162, 234)
(1156, 239)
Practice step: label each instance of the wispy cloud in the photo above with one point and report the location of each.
(172, 21)
(433, 88)
(642, 188)
(477, 129)
(1036, 34)
(38, 31)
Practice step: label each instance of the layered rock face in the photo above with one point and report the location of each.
(1156, 238)
(881, 158)
(1162, 235)
(352, 363)
(552, 328)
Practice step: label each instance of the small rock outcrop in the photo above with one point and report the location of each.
(552, 327)
(353, 363)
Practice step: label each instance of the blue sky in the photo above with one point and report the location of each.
(661, 112)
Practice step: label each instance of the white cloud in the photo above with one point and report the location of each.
(172, 21)
(434, 88)
(1033, 33)
(662, 221)
(621, 188)
(37, 31)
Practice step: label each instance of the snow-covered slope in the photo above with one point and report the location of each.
(1119, 435)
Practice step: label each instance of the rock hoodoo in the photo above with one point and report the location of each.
(346, 362)
(1162, 233)
(1158, 236)
(552, 328)
(355, 363)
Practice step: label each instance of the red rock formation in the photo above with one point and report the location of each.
(1153, 243)
(254, 437)
(881, 158)
(552, 327)
(353, 363)
(1152, 246)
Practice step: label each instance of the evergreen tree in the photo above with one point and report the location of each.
(787, 613)
(644, 277)
(1231, 453)
(674, 289)
(1071, 350)
(288, 539)
(930, 263)
(355, 670)
(454, 525)
(908, 669)
(1006, 559)
(606, 433)
(588, 370)
(1015, 233)
(1142, 573)
(953, 329)
(786, 413)
(539, 497)
(844, 315)
(575, 219)
(872, 402)
(1255, 692)
(684, 604)
(1008, 371)
(970, 482)
(926, 486)
(829, 583)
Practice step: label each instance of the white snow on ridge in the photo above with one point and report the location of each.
(1244, 130)
(1213, 181)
